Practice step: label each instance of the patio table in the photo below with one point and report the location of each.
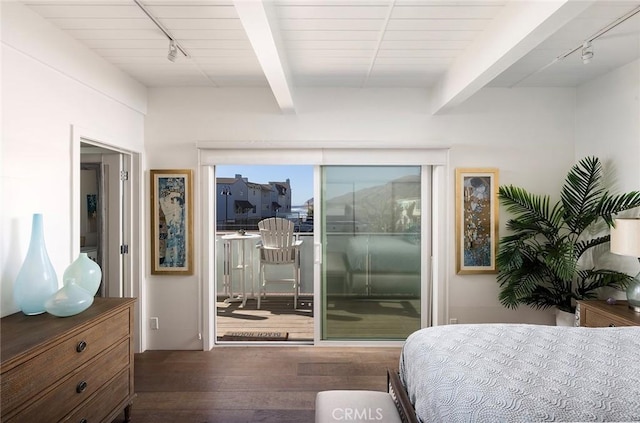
(235, 248)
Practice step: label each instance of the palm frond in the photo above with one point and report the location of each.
(585, 245)
(531, 231)
(543, 298)
(581, 194)
(560, 259)
(519, 282)
(611, 205)
(528, 207)
(591, 279)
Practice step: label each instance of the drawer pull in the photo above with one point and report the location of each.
(81, 387)
(81, 346)
(83, 421)
(611, 325)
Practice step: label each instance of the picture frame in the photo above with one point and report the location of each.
(476, 220)
(171, 221)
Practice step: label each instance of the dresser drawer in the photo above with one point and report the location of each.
(595, 319)
(48, 367)
(83, 383)
(107, 402)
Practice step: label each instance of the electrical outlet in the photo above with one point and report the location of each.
(154, 323)
(453, 321)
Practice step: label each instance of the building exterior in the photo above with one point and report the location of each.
(280, 198)
(241, 203)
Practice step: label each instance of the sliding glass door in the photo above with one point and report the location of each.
(371, 256)
(373, 235)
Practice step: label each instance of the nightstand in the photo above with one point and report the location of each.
(598, 313)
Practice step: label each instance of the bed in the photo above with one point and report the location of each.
(518, 373)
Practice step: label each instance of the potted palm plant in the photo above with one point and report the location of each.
(539, 261)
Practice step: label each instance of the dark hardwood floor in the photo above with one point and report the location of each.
(251, 384)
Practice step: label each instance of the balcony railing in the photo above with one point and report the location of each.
(306, 266)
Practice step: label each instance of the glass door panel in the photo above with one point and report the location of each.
(371, 260)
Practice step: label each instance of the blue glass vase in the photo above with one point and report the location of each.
(71, 299)
(85, 272)
(36, 281)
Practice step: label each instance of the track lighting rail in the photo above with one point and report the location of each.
(601, 32)
(172, 41)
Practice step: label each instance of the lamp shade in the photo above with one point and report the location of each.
(625, 237)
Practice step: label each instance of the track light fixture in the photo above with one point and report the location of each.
(174, 47)
(587, 52)
(585, 48)
(173, 51)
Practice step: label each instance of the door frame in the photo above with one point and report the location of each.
(130, 218)
(212, 153)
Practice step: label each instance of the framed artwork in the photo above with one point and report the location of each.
(92, 213)
(172, 222)
(476, 220)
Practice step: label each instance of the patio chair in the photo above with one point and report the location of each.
(279, 247)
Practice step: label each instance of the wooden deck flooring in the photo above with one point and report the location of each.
(276, 314)
(365, 318)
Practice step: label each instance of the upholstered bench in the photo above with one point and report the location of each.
(355, 406)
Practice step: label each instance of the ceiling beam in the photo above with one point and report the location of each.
(263, 37)
(514, 33)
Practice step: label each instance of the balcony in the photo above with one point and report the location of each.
(377, 296)
(277, 313)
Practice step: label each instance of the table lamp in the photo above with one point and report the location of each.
(625, 240)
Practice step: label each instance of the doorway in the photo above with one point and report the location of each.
(122, 225)
(246, 195)
(103, 179)
(370, 230)
(433, 165)
(371, 234)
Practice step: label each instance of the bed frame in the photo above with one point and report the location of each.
(400, 397)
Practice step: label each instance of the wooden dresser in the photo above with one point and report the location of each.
(77, 369)
(598, 313)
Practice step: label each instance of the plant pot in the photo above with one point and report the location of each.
(564, 318)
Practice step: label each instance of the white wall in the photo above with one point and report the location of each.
(608, 126)
(50, 82)
(526, 133)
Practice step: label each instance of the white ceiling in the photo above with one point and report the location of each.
(284, 44)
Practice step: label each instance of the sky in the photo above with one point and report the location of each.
(301, 177)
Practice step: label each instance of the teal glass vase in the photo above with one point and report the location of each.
(36, 280)
(70, 300)
(86, 273)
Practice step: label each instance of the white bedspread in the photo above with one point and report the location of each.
(523, 373)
